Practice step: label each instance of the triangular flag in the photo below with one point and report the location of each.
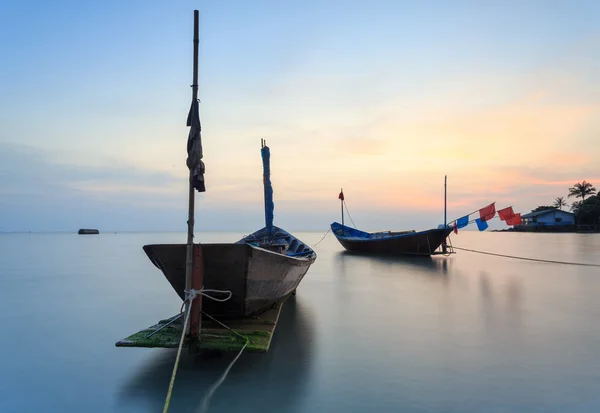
(506, 213)
(341, 195)
(488, 212)
(516, 220)
(462, 222)
(481, 224)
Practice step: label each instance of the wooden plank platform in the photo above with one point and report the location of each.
(258, 330)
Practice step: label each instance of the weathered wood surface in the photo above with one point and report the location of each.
(259, 332)
(256, 277)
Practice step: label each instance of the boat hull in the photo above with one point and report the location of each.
(423, 243)
(257, 278)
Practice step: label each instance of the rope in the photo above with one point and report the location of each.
(215, 386)
(322, 238)
(528, 259)
(449, 251)
(349, 216)
(191, 295)
(220, 300)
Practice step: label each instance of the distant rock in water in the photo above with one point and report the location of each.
(85, 231)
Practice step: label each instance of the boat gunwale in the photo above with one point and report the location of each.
(302, 259)
(391, 237)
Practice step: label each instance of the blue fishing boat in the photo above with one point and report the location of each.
(425, 243)
(392, 242)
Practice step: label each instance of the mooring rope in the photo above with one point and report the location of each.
(327, 232)
(528, 259)
(348, 212)
(190, 296)
(206, 290)
(449, 251)
(215, 386)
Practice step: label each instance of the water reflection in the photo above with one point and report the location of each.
(514, 294)
(500, 303)
(259, 382)
(432, 265)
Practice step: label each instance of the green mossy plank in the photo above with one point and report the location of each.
(258, 330)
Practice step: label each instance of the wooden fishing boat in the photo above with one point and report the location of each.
(389, 242)
(242, 283)
(410, 242)
(259, 270)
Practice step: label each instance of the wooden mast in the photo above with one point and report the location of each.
(194, 265)
(445, 182)
(444, 245)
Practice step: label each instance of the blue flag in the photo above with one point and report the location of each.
(481, 225)
(462, 222)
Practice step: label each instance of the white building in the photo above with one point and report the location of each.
(549, 218)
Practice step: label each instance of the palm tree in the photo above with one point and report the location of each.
(581, 190)
(559, 203)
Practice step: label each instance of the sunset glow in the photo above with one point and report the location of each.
(504, 102)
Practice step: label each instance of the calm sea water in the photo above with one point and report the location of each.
(469, 333)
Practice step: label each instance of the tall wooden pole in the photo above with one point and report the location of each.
(445, 182)
(342, 204)
(190, 238)
(444, 245)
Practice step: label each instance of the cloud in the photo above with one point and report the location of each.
(387, 133)
(27, 170)
(40, 194)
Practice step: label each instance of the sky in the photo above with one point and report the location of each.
(380, 98)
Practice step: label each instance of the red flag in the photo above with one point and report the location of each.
(506, 213)
(488, 212)
(455, 228)
(516, 220)
(341, 195)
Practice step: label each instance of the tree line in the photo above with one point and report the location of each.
(587, 210)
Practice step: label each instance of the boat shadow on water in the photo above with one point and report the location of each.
(425, 264)
(257, 382)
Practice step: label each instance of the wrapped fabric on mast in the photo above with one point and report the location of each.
(194, 148)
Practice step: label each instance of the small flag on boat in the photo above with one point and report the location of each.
(488, 212)
(462, 222)
(481, 224)
(455, 228)
(506, 213)
(341, 195)
(194, 148)
(515, 220)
